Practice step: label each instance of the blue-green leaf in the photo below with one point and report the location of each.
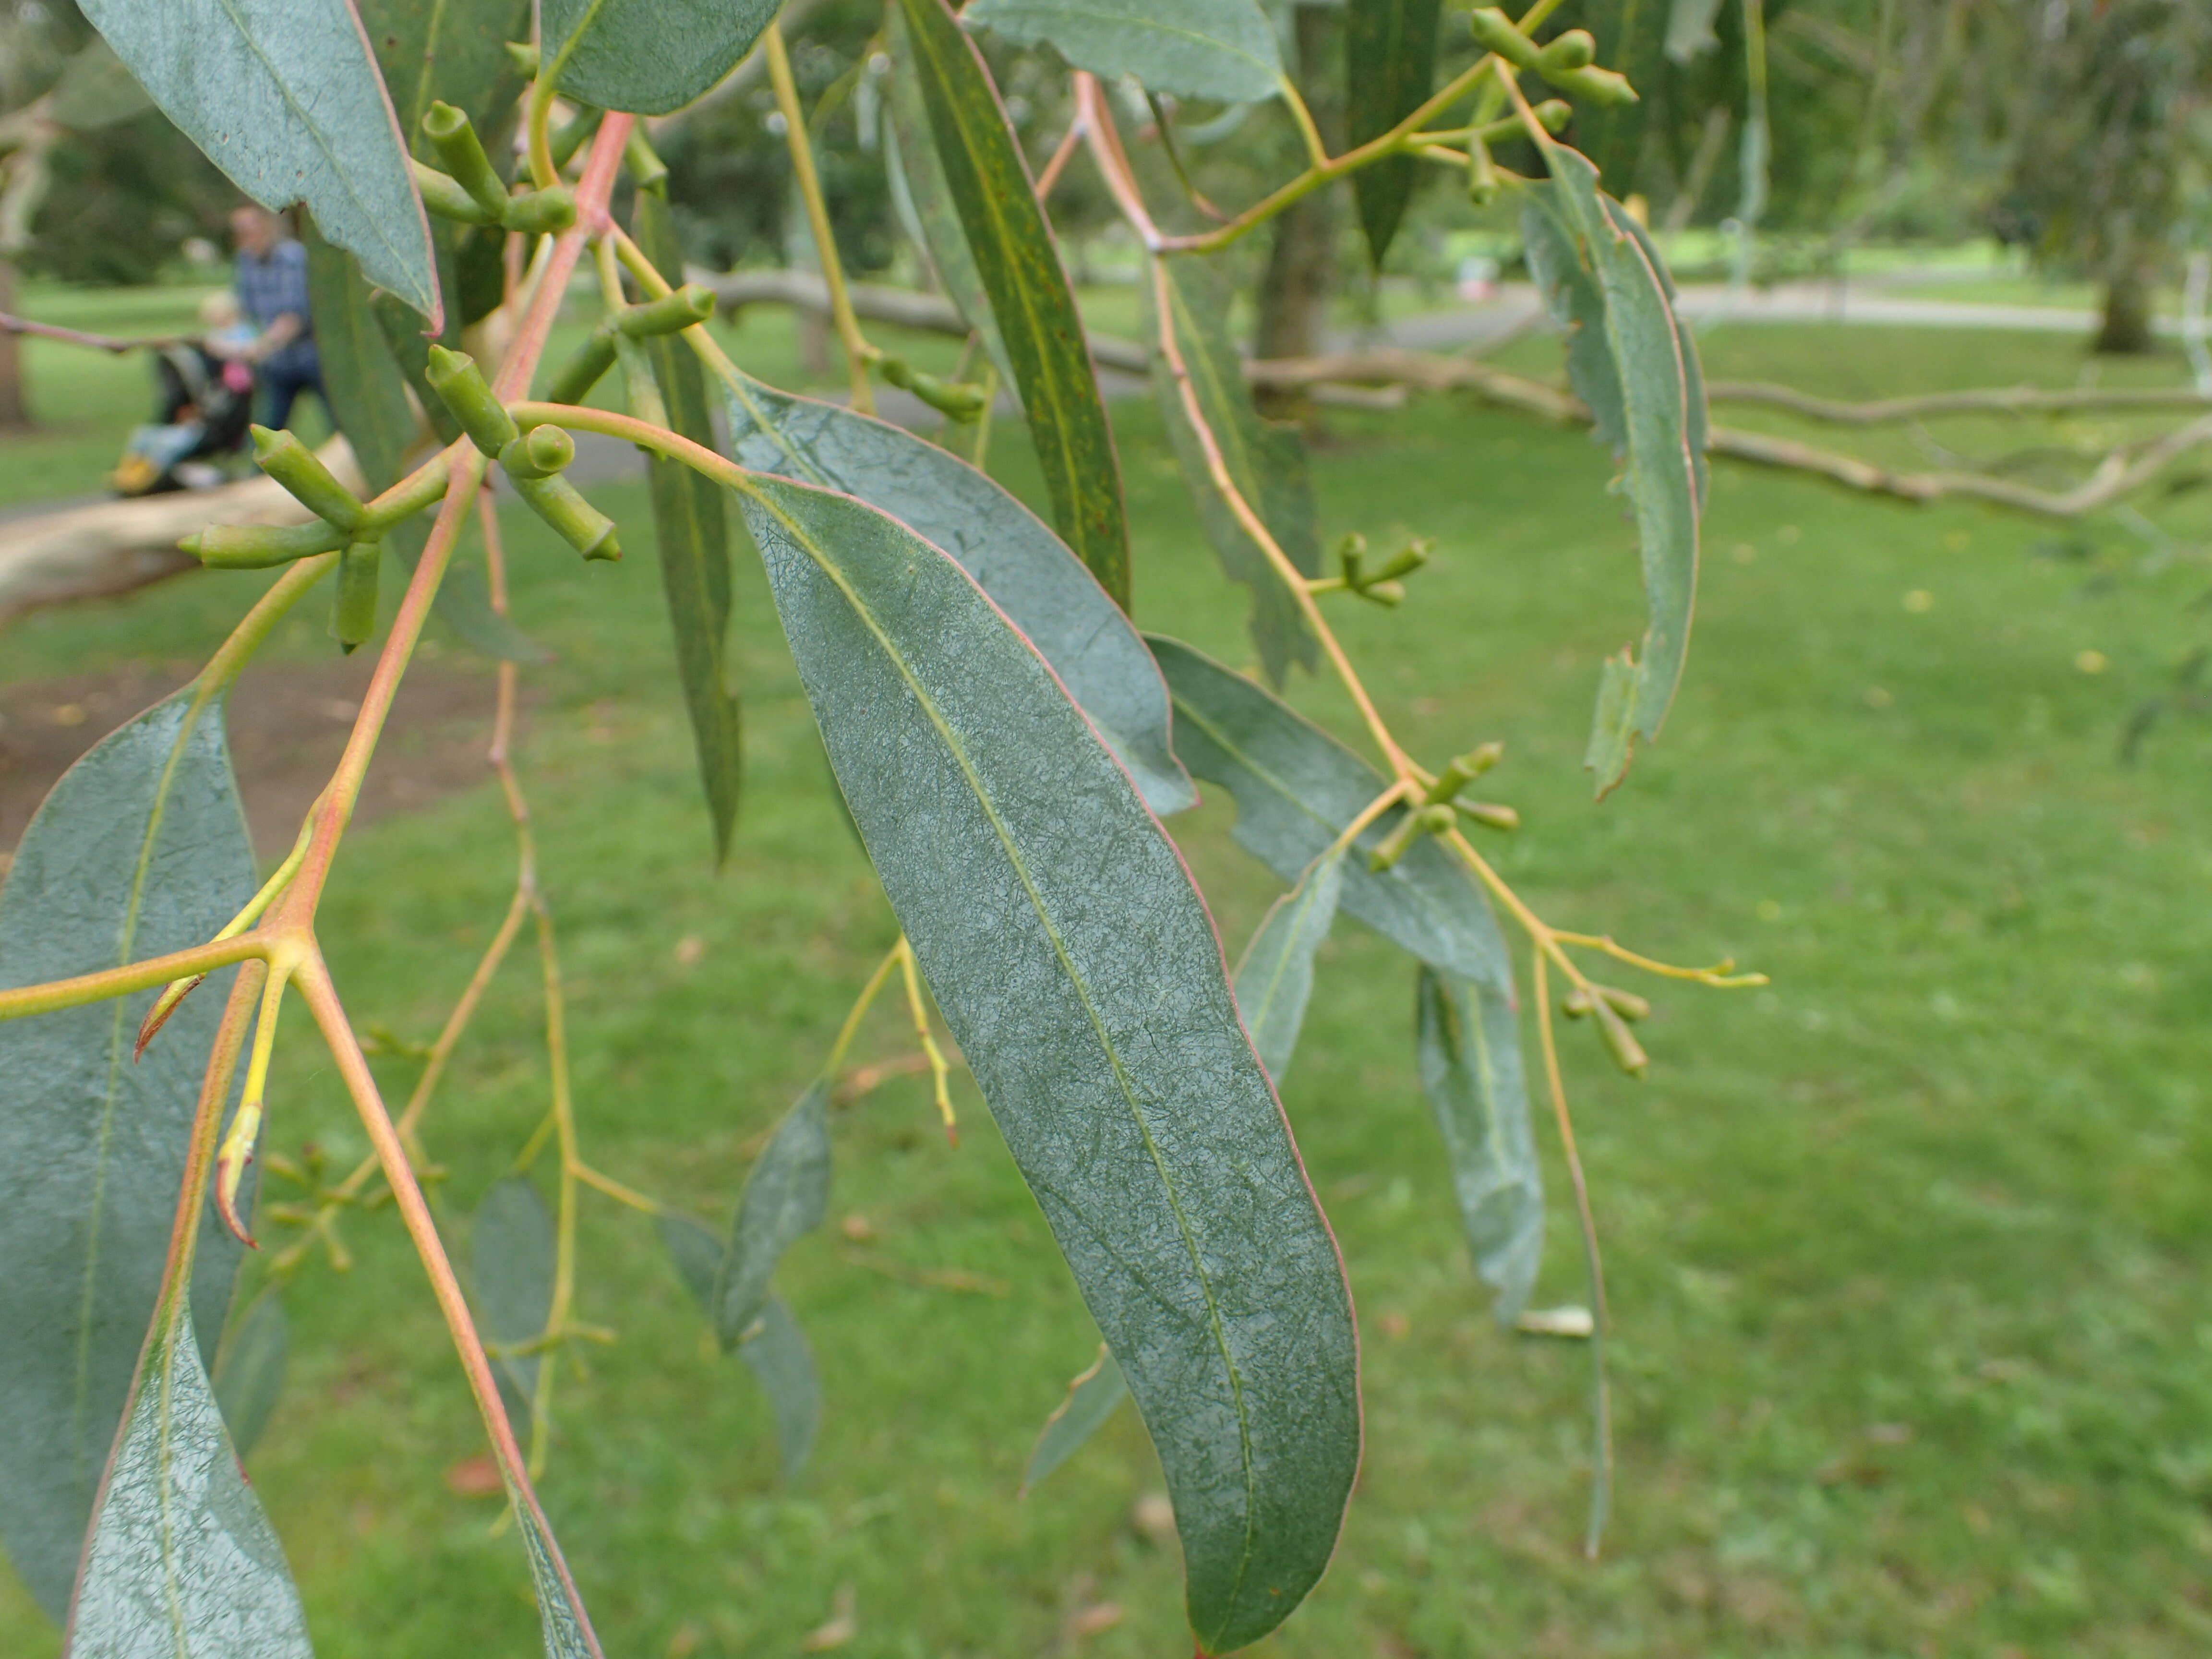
(776, 1351)
(1266, 462)
(1028, 571)
(1468, 1042)
(181, 1562)
(786, 1194)
(140, 849)
(1275, 979)
(1223, 49)
(1634, 367)
(284, 97)
(1018, 264)
(1091, 1398)
(1390, 65)
(1297, 789)
(435, 52)
(511, 1262)
(249, 1367)
(1078, 971)
(648, 57)
(912, 155)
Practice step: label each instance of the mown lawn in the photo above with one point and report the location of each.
(1906, 1251)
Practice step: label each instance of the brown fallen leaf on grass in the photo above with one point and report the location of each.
(844, 1622)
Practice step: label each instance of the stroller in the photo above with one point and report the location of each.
(203, 405)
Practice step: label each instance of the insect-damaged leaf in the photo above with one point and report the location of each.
(1266, 463)
(1390, 59)
(1223, 49)
(249, 1368)
(284, 97)
(1081, 975)
(648, 57)
(786, 1194)
(182, 1562)
(1020, 270)
(1276, 977)
(511, 1262)
(1297, 788)
(693, 543)
(1637, 372)
(1026, 569)
(140, 849)
(1469, 1042)
(1091, 1398)
(776, 1350)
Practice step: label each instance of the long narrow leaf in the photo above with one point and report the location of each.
(913, 153)
(1081, 975)
(1091, 1398)
(1266, 462)
(1275, 979)
(511, 1262)
(786, 1194)
(1297, 789)
(1468, 1042)
(249, 1368)
(1028, 571)
(140, 849)
(693, 543)
(1223, 49)
(1389, 60)
(181, 1562)
(648, 57)
(775, 1349)
(284, 96)
(1020, 270)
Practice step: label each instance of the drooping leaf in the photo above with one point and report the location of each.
(141, 848)
(1641, 384)
(786, 1194)
(648, 57)
(511, 1261)
(249, 1368)
(778, 1354)
(1390, 57)
(1091, 1398)
(776, 1350)
(562, 1619)
(1223, 49)
(1468, 1043)
(1275, 979)
(1297, 788)
(694, 543)
(913, 154)
(1080, 974)
(181, 1562)
(1026, 569)
(1020, 270)
(1266, 463)
(367, 398)
(284, 97)
(435, 52)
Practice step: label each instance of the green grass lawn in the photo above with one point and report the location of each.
(1911, 1357)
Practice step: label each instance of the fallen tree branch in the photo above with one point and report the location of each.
(1992, 400)
(77, 337)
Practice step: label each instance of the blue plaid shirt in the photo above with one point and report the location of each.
(268, 289)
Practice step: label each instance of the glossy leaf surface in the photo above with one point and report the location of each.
(1275, 980)
(181, 1562)
(1468, 1044)
(511, 1261)
(284, 97)
(1223, 49)
(1630, 363)
(1019, 267)
(249, 1368)
(776, 1351)
(648, 57)
(1266, 463)
(1091, 1398)
(140, 849)
(1026, 569)
(1080, 974)
(694, 541)
(1297, 788)
(786, 1196)
(1390, 57)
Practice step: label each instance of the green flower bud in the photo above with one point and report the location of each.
(647, 170)
(1620, 1042)
(950, 397)
(578, 127)
(442, 195)
(692, 303)
(1575, 49)
(583, 369)
(1482, 182)
(463, 153)
(293, 465)
(353, 609)
(582, 525)
(1495, 32)
(545, 212)
(453, 375)
(538, 454)
(258, 546)
(524, 56)
(1626, 1003)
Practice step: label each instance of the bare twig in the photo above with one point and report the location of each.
(1989, 400)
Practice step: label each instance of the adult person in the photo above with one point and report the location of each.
(272, 290)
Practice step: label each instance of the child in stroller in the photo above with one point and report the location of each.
(204, 404)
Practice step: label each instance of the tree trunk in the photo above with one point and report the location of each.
(1300, 274)
(2126, 326)
(15, 404)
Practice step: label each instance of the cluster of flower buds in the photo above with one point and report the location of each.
(669, 314)
(1482, 178)
(1568, 62)
(1613, 1008)
(956, 400)
(1440, 806)
(533, 462)
(1383, 585)
(471, 191)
